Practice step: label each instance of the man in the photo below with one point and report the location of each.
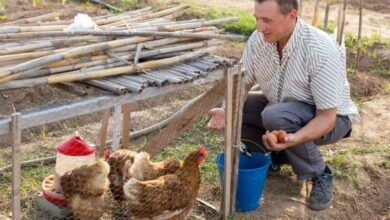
(305, 92)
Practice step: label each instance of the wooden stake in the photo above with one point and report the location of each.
(326, 19)
(16, 132)
(116, 130)
(300, 7)
(359, 36)
(103, 133)
(341, 22)
(125, 126)
(239, 99)
(229, 146)
(316, 12)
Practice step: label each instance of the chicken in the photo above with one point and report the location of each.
(144, 169)
(125, 164)
(120, 163)
(86, 188)
(169, 193)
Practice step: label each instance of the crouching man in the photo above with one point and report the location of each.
(302, 75)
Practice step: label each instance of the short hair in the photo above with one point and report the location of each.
(285, 6)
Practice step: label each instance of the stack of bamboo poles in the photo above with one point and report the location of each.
(37, 51)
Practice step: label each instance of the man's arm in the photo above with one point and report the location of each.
(217, 121)
(320, 125)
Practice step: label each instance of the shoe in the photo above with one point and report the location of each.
(321, 194)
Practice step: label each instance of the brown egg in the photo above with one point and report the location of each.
(273, 138)
(281, 135)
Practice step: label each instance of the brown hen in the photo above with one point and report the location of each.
(166, 194)
(86, 188)
(125, 164)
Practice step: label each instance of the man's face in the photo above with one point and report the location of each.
(271, 22)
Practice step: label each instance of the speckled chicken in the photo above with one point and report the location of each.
(86, 189)
(166, 194)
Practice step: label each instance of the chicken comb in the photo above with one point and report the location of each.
(202, 150)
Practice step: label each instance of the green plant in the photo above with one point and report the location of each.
(35, 2)
(345, 167)
(330, 28)
(245, 25)
(351, 71)
(43, 133)
(387, 87)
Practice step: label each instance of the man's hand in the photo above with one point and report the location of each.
(272, 144)
(217, 121)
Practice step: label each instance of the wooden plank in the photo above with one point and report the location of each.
(16, 133)
(240, 99)
(116, 129)
(103, 133)
(71, 109)
(125, 126)
(187, 119)
(228, 148)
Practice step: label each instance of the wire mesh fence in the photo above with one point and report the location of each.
(127, 185)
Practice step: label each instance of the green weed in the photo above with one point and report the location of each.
(245, 25)
(330, 28)
(345, 167)
(387, 87)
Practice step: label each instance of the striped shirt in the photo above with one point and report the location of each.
(312, 70)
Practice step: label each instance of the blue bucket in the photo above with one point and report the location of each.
(252, 172)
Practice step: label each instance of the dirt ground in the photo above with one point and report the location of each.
(284, 196)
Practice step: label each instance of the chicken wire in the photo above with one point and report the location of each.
(95, 191)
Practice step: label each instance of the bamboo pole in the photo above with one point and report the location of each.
(47, 44)
(120, 17)
(150, 16)
(172, 27)
(161, 34)
(316, 12)
(69, 54)
(32, 55)
(103, 73)
(106, 85)
(33, 19)
(104, 61)
(20, 29)
(359, 36)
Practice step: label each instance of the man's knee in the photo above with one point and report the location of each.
(284, 116)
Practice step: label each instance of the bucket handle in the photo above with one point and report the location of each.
(266, 153)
